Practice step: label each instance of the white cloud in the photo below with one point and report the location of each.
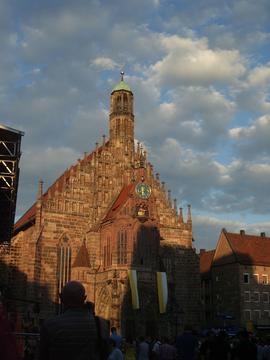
(46, 162)
(191, 61)
(198, 116)
(252, 141)
(206, 229)
(260, 127)
(105, 63)
(259, 76)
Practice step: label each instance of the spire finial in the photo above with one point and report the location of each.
(40, 189)
(189, 214)
(181, 220)
(122, 75)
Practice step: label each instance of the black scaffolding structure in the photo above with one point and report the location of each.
(10, 152)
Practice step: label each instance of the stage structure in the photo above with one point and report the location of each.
(10, 152)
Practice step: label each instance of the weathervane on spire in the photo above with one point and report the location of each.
(122, 75)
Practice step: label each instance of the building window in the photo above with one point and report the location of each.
(265, 297)
(266, 314)
(256, 296)
(256, 278)
(63, 265)
(125, 102)
(107, 253)
(217, 278)
(257, 314)
(122, 247)
(247, 314)
(247, 296)
(118, 103)
(246, 278)
(264, 279)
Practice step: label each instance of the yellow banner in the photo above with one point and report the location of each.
(162, 291)
(132, 275)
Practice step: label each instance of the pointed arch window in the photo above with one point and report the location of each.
(122, 247)
(118, 103)
(107, 252)
(125, 103)
(63, 263)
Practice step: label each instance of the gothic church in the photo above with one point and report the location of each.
(107, 215)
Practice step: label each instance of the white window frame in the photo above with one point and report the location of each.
(247, 311)
(246, 293)
(265, 276)
(247, 278)
(265, 293)
(256, 292)
(257, 277)
(258, 312)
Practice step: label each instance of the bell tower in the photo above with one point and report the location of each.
(122, 118)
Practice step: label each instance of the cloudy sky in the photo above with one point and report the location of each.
(200, 73)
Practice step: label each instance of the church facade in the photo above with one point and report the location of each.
(106, 215)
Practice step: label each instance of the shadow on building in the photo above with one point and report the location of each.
(21, 298)
(152, 254)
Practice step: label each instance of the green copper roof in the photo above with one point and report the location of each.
(121, 85)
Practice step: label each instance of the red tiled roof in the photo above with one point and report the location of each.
(82, 258)
(206, 259)
(121, 199)
(250, 249)
(29, 215)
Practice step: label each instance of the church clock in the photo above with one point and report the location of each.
(143, 190)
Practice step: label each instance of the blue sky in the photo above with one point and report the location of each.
(200, 73)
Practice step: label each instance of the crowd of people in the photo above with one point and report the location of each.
(77, 334)
(216, 345)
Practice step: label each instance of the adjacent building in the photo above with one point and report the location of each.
(235, 280)
(108, 221)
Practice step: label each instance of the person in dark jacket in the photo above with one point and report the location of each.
(73, 334)
(186, 344)
(245, 349)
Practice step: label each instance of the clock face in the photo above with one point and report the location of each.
(143, 190)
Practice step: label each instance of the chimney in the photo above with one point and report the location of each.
(242, 232)
(262, 234)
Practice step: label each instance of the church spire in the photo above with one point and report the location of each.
(122, 118)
